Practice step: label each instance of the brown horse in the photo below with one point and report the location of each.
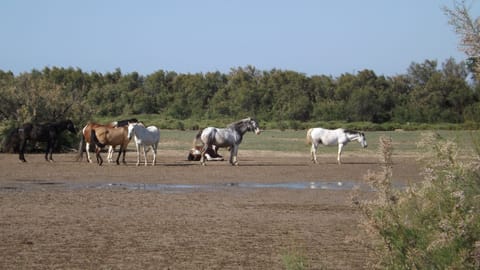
(86, 140)
(103, 135)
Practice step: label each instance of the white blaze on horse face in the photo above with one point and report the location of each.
(256, 129)
(130, 131)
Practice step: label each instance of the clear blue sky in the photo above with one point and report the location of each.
(189, 36)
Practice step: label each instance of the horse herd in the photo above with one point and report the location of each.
(205, 144)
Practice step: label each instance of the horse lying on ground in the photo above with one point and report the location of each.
(48, 133)
(231, 137)
(211, 154)
(144, 136)
(340, 137)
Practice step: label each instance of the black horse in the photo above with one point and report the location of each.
(48, 133)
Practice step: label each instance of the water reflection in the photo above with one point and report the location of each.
(338, 185)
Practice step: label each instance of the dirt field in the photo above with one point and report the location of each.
(180, 215)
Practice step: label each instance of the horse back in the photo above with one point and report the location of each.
(87, 129)
(118, 135)
(154, 133)
(36, 132)
(327, 136)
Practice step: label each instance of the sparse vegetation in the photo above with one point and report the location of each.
(434, 224)
(294, 260)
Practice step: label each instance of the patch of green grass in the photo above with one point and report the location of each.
(294, 260)
(404, 142)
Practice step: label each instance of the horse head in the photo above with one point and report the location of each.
(131, 131)
(70, 126)
(253, 125)
(362, 140)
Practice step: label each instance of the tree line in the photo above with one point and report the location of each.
(426, 93)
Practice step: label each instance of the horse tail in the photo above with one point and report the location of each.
(94, 138)
(197, 140)
(211, 137)
(11, 142)
(309, 136)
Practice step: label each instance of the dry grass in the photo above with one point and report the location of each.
(433, 224)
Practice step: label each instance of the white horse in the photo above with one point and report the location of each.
(145, 136)
(340, 137)
(231, 136)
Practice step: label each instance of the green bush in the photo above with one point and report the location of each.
(434, 224)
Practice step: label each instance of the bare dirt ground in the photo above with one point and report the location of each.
(75, 215)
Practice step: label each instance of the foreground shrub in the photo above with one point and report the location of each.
(434, 224)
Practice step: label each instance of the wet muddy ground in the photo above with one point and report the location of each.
(180, 215)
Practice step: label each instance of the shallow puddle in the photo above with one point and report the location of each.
(176, 188)
(343, 185)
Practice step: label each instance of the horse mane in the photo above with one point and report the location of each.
(350, 131)
(121, 123)
(234, 125)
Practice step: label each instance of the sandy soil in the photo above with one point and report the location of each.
(75, 215)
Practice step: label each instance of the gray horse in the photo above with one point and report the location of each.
(231, 137)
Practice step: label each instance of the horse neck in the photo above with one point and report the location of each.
(353, 136)
(59, 126)
(240, 127)
(138, 130)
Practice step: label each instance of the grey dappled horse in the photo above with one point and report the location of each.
(231, 137)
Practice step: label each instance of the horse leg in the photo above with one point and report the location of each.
(111, 149)
(50, 146)
(340, 147)
(233, 155)
(124, 152)
(21, 155)
(154, 161)
(313, 152)
(87, 150)
(202, 154)
(47, 150)
(119, 154)
(99, 157)
(138, 153)
(145, 147)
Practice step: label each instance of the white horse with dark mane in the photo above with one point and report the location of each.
(231, 137)
(144, 136)
(340, 137)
